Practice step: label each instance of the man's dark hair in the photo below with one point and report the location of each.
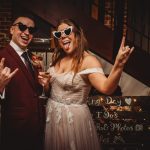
(30, 16)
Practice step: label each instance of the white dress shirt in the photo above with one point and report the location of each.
(18, 50)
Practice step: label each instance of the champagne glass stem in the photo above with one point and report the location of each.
(43, 91)
(44, 68)
(43, 95)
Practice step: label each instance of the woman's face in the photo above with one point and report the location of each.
(66, 42)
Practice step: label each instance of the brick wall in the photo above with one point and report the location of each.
(5, 21)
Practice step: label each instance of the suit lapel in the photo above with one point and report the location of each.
(21, 65)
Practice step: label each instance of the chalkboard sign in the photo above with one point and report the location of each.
(122, 123)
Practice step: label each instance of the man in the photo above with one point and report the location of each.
(22, 111)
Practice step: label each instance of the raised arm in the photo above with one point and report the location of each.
(108, 85)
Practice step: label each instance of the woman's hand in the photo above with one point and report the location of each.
(123, 54)
(44, 79)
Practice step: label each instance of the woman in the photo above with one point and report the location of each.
(73, 71)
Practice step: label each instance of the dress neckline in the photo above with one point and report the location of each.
(60, 73)
(71, 72)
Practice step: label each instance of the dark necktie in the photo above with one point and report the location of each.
(28, 62)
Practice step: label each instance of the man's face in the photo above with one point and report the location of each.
(20, 34)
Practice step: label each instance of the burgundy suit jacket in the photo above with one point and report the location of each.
(23, 114)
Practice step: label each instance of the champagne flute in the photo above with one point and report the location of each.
(42, 67)
(43, 95)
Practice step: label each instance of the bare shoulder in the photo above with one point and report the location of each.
(90, 61)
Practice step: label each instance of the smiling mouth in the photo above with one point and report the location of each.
(25, 38)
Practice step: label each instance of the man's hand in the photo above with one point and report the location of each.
(5, 74)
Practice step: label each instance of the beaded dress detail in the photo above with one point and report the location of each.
(69, 124)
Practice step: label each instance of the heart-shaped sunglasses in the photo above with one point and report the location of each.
(67, 31)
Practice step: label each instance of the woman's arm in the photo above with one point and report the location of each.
(107, 85)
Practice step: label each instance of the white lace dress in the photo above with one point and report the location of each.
(69, 124)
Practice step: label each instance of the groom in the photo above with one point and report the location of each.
(23, 114)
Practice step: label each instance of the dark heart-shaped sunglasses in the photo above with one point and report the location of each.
(22, 27)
